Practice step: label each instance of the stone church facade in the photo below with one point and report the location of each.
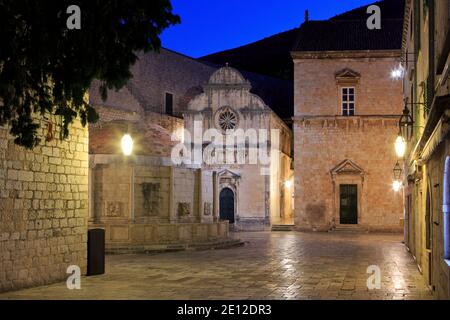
(251, 195)
(149, 202)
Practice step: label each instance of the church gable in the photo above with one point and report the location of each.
(227, 87)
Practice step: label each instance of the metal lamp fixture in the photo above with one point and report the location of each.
(405, 124)
(397, 171)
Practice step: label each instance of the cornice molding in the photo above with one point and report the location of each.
(353, 54)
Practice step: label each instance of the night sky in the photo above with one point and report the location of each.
(208, 26)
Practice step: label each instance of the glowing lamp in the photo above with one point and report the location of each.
(127, 144)
(397, 73)
(288, 184)
(396, 185)
(400, 146)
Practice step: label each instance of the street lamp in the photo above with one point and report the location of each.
(396, 185)
(288, 184)
(405, 124)
(397, 171)
(127, 144)
(397, 72)
(400, 146)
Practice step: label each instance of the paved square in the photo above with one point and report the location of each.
(277, 265)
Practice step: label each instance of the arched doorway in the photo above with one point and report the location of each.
(227, 205)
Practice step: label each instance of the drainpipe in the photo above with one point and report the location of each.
(446, 208)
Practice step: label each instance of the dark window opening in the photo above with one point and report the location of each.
(169, 103)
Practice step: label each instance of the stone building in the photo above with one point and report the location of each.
(147, 201)
(43, 207)
(143, 202)
(252, 195)
(426, 63)
(346, 111)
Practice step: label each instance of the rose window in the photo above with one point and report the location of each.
(227, 119)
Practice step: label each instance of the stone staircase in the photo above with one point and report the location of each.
(282, 227)
(348, 228)
(172, 247)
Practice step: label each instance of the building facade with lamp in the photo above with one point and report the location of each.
(426, 178)
(147, 201)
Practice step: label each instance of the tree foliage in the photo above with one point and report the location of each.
(45, 68)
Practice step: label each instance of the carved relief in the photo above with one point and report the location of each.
(207, 209)
(184, 209)
(114, 209)
(150, 192)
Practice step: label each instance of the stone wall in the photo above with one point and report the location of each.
(143, 202)
(322, 145)
(43, 209)
(152, 132)
(317, 85)
(430, 184)
(430, 144)
(154, 75)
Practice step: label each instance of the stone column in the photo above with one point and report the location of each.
(172, 213)
(132, 214)
(199, 196)
(92, 217)
(215, 197)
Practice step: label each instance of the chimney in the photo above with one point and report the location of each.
(306, 15)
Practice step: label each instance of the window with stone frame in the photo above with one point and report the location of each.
(348, 101)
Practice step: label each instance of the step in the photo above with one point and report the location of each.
(348, 229)
(158, 248)
(282, 227)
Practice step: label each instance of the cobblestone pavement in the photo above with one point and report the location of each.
(277, 265)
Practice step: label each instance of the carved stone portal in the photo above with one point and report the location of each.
(184, 209)
(150, 192)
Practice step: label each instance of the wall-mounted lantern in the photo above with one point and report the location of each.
(405, 124)
(400, 146)
(127, 144)
(288, 184)
(396, 185)
(397, 72)
(397, 171)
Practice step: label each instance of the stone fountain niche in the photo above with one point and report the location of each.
(151, 199)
